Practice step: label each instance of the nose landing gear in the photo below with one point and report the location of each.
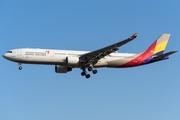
(20, 66)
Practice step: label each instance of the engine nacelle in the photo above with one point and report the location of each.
(72, 60)
(62, 69)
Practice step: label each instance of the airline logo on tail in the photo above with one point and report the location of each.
(157, 48)
(160, 44)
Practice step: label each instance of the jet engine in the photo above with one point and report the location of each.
(62, 69)
(71, 60)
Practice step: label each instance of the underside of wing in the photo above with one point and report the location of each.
(94, 56)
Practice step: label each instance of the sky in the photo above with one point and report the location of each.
(149, 92)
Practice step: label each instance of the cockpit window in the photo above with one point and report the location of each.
(9, 52)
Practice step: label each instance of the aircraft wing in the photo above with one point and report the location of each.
(94, 56)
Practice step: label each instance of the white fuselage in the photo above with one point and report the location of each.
(58, 57)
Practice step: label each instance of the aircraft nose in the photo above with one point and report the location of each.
(4, 55)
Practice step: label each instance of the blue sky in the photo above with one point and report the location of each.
(148, 92)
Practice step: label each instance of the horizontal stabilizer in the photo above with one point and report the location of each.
(160, 57)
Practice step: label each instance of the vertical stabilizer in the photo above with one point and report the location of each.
(158, 47)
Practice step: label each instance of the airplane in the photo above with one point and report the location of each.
(66, 60)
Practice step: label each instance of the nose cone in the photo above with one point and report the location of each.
(4, 56)
(8, 56)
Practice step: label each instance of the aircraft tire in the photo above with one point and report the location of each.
(90, 69)
(83, 73)
(94, 71)
(20, 67)
(88, 76)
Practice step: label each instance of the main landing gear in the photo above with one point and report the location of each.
(84, 72)
(94, 71)
(20, 66)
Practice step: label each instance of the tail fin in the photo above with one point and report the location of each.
(158, 47)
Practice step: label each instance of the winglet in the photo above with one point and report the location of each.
(134, 36)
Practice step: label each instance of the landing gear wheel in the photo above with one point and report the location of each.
(20, 67)
(88, 76)
(94, 71)
(90, 69)
(83, 73)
